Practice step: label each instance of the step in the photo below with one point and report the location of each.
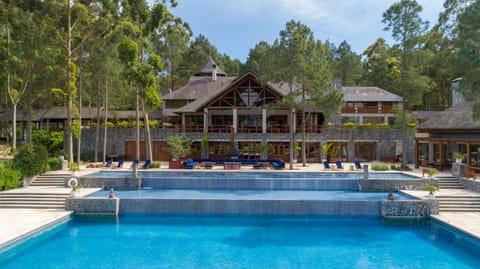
(33, 206)
(62, 199)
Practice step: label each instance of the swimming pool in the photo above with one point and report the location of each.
(252, 175)
(159, 241)
(250, 195)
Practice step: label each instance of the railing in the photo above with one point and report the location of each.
(253, 129)
(368, 110)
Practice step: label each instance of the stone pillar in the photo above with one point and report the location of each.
(351, 150)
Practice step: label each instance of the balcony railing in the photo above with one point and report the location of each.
(255, 129)
(368, 110)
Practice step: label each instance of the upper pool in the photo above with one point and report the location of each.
(253, 175)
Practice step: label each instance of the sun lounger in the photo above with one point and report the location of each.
(358, 166)
(326, 165)
(146, 164)
(339, 165)
(108, 163)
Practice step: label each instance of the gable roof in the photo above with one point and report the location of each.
(458, 117)
(197, 87)
(216, 92)
(368, 94)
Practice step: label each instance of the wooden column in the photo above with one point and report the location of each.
(264, 120)
(235, 119)
(205, 120)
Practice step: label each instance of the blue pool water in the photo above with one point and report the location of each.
(156, 241)
(250, 194)
(252, 175)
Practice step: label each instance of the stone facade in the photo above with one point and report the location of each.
(263, 207)
(409, 208)
(120, 183)
(384, 138)
(469, 184)
(385, 185)
(93, 206)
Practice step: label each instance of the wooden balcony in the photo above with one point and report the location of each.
(254, 129)
(367, 110)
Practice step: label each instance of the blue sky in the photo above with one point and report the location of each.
(236, 26)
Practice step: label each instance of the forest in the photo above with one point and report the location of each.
(99, 53)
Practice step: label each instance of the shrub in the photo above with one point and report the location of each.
(31, 160)
(54, 164)
(52, 140)
(10, 178)
(348, 124)
(155, 165)
(380, 166)
(122, 124)
(382, 125)
(153, 123)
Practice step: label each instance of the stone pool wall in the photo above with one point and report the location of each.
(251, 184)
(117, 183)
(385, 185)
(93, 206)
(409, 208)
(260, 207)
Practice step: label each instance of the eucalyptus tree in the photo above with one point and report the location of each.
(304, 65)
(170, 43)
(15, 61)
(468, 53)
(142, 64)
(82, 22)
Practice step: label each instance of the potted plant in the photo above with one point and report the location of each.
(432, 172)
(459, 157)
(73, 184)
(180, 147)
(431, 190)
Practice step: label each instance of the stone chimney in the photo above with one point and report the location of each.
(214, 72)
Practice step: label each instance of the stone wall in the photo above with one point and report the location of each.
(409, 208)
(263, 207)
(93, 206)
(469, 184)
(385, 139)
(385, 185)
(121, 183)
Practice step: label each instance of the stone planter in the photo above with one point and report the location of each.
(178, 164)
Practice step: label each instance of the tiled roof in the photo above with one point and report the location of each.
(457, 117)
(198, 87)
(367, 94)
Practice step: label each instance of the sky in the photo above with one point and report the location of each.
(236, 26)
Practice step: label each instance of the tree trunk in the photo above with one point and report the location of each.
(148, 138)
(69, 87)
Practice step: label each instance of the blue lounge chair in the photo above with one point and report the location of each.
(189, 164)
(326, 165)
(120, 164)
(358, 166)
(146, 164)
(108, 163)
(339, 165)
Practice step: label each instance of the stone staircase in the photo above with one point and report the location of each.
(45, 192)
(457, 201)
(37, 200)
(446, 182)
(51, 179)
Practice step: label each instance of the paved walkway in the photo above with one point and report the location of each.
(20, 223)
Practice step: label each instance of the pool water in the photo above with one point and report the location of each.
(251, 194)
(159, 241)
(253, 175)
